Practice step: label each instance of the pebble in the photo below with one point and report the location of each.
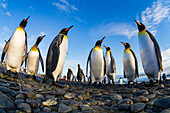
(50, 102)
(18, 101)
(70, 95)
(85, 107)
(142, 99)
(165, 111)
(64, 108)
(24, 107)
(116, 97)
(123, 106)
(163, 103)
(141, 92)
(125, 101)
(137, 107)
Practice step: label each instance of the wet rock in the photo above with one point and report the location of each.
(127, 90)
(123, 107)
(2, 111)
(116, 97)
(49, 102)
(18, 101)
(163, 103)
(19, 111)
(6, 102)
(127, 96)
(64, 108)
(5, 89)
(24, 107)
(137, 107)
(19, 96)
(84, 97)
(46, 109)
(141, 92)
(70, 95)
(13, 93)
(151, 96)
(165, 111)
(125, 101)
(36, 110)
(142, 99)
(33, 103)
(58, 93)
(39, 96)
(150, 103)
(160, 86)
(31, 95)
(85, 107)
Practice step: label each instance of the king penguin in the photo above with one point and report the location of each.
(130, 64)
(56, 56)
(150, 54)
(97, 63)
(110, 65)
(34, 57)
(15, 48)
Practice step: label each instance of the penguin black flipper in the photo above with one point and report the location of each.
(5, 50)
(157, 49)
(112, 63)
(52, 57)
(136, 63)
(89, 57)
(41, 60)
(104, 64)
(124, 74)
(25, 48)
(24, 58)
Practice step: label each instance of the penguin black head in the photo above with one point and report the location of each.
(99, 42)
(127, 45)
(65, 30)
(39, 40)
(141, 27)
(24, 22)
(107, 48)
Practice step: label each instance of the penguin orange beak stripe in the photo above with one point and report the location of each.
(42, 37)
(69, 28)
(105, 46)
(102, 39)
(27, 18)
(123, 43)
(137, 22)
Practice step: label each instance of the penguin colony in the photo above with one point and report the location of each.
(100, 63)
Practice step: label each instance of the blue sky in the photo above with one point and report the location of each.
(92, 20)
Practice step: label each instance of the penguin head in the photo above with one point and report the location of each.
(99, 42)
(107, 48)
(127, 45)
(24, 22)
(39, 40)
(141, 27)
(65, 30)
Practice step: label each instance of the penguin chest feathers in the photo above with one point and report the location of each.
(108, 62)
(148, 53)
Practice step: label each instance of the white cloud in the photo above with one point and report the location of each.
(3, 8)
(61, 7)
(4, 5)
(155, 14)
(1, 47)
(5, 28)
(166, 60)
(42, 33)
(112, 29)
(8, 13)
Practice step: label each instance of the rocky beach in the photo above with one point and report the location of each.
(24, 95)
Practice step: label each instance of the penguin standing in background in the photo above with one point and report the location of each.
(56, 56)
(15, 48)
(34, 57)
(97, 63)
(150, 54)
(70, 76)
(130, 64)
(110, 65)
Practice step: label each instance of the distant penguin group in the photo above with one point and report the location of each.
(100, 64)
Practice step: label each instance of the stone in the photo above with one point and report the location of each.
(85, 107)
(18, 101)
(31, 95)
(151, 102)
(160, 86)
(36, 110)
(141, 92)
(165, 111)
(127, 96)
(39, 96)
(84, 97)
(2, 111)
(151, 96)
(123, 107)
(19, 111)
(33, 103)
(46, 109)
(19, 96)
(58, 93)
(49, 102)
(64, 108)
(24, 107)
(5, 89)
(163, 103)
(13, 93)
(142, 99)
(127, 90)
(6, 102)
(137, 107)
(125, 101)
(70, 95)
(116, 97)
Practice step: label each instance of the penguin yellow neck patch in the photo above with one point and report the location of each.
(142, 32)
(126, 51)
(34, 48)
(20, 28)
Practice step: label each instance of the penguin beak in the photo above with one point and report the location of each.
(102, 39)
(27, 18)
(105, 46)
(137, 22)
(123, 43)
(42, 37)
(69, 28)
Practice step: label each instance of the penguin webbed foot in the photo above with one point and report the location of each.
(57, 84)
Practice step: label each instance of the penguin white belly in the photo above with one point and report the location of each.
(97, 65)
(63, 51)
(148, 56)
(129, 66)
(108, 64)
(33, 62)
(15, 50)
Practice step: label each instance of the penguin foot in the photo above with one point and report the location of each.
(100, 84)
(94, 84)
(151, 82)
(8, 72)
(57, 85)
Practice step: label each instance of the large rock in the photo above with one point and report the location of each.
(24, 107)
(137, 107)
(142, 99)
(64, 108)
(49, 102)
(123, 107)
(125, 101)
(163, 103)
(116, 97)
(141, 92)
(70, 95)
(165, 111)
(5, 89)
(6, 102)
